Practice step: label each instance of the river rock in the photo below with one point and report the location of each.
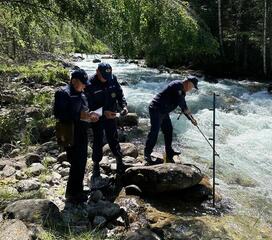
(127, 149)
(39, 211)
(64, 172)
(106, 209)
(8, 171)
(14, 230)
(142, 234)
(133, 190)
(163, 177)
(32, 158)
(28, 185)
(36, 169)
(62, 157)
(130, 120)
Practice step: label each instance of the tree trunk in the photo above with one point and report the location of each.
(220, 28)
(265, 39)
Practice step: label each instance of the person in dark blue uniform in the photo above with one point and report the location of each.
(105, 92)
(71, 111)
(165, 102)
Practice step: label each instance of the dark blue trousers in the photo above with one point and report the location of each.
(110, 127)
(159, 121)
(77, 156)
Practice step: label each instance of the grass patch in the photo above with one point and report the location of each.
(44, 72)
(50, 234)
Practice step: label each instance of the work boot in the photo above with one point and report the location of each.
(121, 168)
(149, 161)
(170, 155)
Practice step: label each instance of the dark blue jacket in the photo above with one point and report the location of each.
(170, 98)
(106, 95)
(69, 103)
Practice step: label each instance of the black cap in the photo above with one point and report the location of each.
(194, 81)
(81, 75)
(105, 70)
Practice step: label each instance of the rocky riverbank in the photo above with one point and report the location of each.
(162, 202)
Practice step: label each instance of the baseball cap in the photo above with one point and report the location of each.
(194, 81)
(105, 70)
(81, 75)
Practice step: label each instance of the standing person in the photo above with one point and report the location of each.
(71, 112)
(105, 92)
(165, 102)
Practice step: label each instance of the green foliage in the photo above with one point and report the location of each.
(161, 32)
(10, 124)
(44, 72)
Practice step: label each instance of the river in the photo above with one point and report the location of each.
(243, 139)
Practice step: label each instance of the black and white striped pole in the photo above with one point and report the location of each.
(215, 154)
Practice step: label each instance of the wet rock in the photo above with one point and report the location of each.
(127, 149)
(62, 157)
(99, 222)
(47, 147)
(96, 60)
(133, 190)
(14, 230)
(8, 171)
(40, 211)
(123, 83)
(32, 158)
(142, 234)
(130, 120)
(36, 169)
(27, 185)
(108, 210)
(163, 177)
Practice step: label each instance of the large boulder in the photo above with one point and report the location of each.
(127, 149)
(161, 178)
(39, 211)
(14, 230)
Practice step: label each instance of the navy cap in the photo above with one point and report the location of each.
(81, 75)
(194, 81)
(105, 70)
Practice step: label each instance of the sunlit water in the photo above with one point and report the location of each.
(243, 140)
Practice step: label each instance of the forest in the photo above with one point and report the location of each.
(224, 38)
